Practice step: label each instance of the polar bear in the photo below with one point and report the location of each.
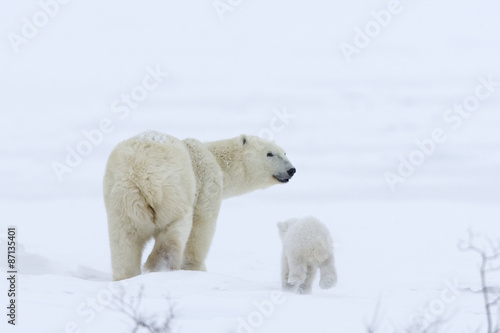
(307, 246)
(157, 186)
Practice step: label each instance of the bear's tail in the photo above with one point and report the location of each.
(135, 203)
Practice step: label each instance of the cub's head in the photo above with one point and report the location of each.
(283, 226)
(265, 162)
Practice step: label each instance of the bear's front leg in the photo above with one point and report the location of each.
(200, 238)
(169, 246)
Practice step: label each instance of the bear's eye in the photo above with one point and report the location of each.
(270, 154)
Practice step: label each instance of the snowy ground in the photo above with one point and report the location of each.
(350, 123)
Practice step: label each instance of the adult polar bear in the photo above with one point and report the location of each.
(158, 186)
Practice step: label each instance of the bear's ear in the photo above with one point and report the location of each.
(244, 139)
(282, 226)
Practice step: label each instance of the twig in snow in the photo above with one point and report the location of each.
(130, 307)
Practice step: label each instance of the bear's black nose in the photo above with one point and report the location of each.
(291, 172)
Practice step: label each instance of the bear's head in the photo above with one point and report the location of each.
(265, 162)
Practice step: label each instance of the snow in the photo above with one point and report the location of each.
(154, 136)
(66, 102)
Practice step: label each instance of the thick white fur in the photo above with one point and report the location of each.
(158, 186)
(307, 246)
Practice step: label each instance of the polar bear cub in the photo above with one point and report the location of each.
(307, 246)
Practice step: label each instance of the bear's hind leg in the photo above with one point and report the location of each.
(169, 246)
(126, 252)
(285, 272)
(306, 287)
(297, 275)
(328, 274)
